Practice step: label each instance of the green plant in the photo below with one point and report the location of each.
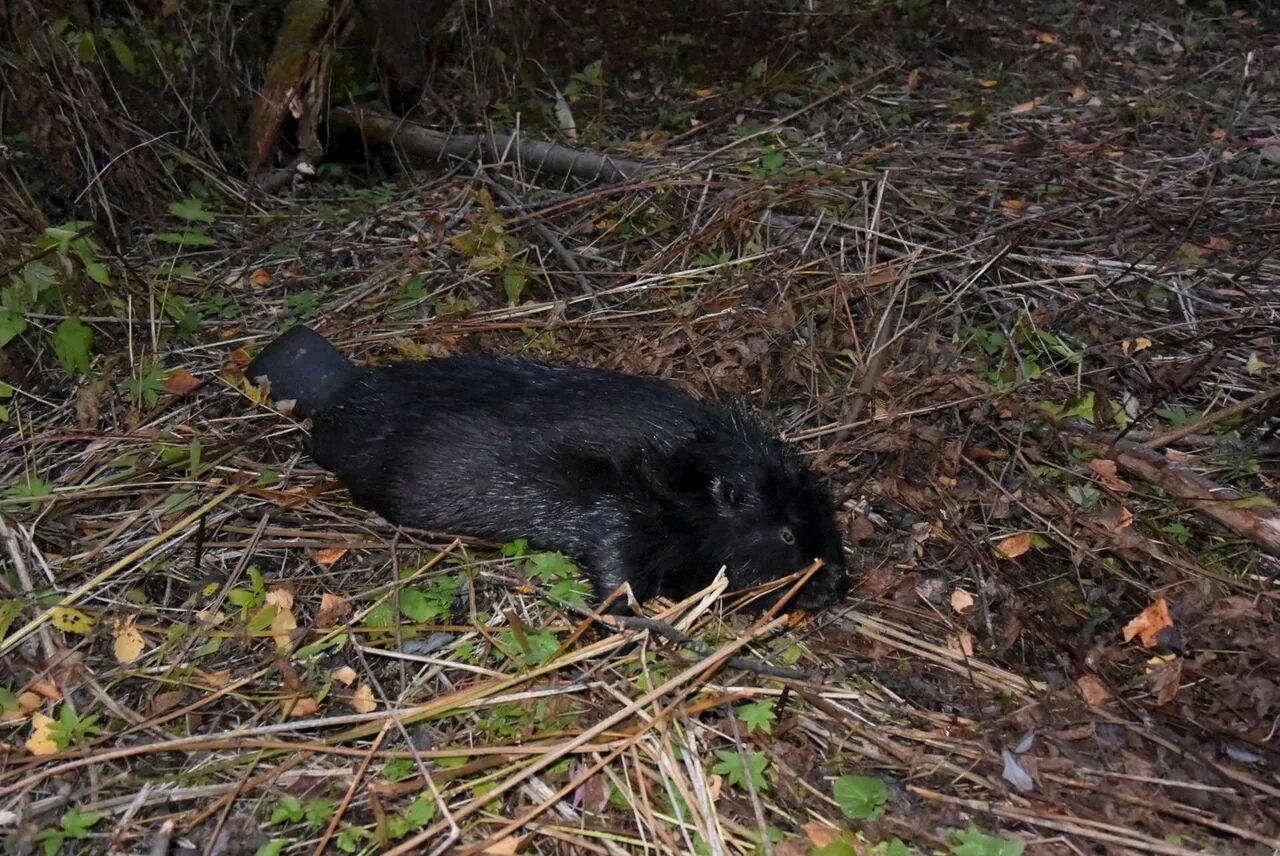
(75, 826)
(860, 797)
(70, 728)
(739, 768)
(252, 597)
(145, 387)
(972, 841)
(758, 716)
(35, 490)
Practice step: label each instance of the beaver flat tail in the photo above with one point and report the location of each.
(300, 365)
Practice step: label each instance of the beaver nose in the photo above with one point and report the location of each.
(825, 589)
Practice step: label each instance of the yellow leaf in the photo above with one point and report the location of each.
(1026, 106)
(1015, 545)
(128, 641)
(1013, 205)
(70, 620)
(961, 601)
(1046, 38)
(260, 277)
(41, 741)
(988, 83)
(1148, 624)
(704, 93)
(362, 700)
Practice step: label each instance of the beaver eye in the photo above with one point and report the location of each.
(788, 537)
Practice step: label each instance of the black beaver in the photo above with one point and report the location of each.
(634, 479)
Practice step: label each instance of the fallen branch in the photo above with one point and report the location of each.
(534, 155)
(1258, 524)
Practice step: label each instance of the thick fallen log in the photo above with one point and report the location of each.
(1250, 517)
(534, 156)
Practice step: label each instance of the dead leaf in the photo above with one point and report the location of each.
(502, 847)
(820, 835)
(327, 556)
(1116, 517)
(180, 382)
(1046, 38)
(129, 643)
(260, 277)
(362, 700)
(305, 706)
(1149, 623)
(961, 642)
(1105, 470)
(988, 83)
(344, 675)
(41, 741)
(216, 680)
(1026, 106)
(961, 601)
(1165, 676)
(165, 702)
(1077, 94)
(1014, 546)
(913, 80)
(240, 357)
(332, 608)
(1013, 204)
(47, 689)
(283, 623)
(1093, 691)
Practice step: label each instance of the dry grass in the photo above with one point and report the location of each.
(945, 317)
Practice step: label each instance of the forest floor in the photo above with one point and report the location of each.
(1013, 287)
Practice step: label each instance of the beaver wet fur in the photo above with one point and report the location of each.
(635, 480)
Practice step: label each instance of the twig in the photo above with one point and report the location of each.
(546, 234)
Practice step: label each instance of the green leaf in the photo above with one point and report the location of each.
(12, 325)
(9, 611)
(421, 811)
(758, 716)
(318, 811)
(287, 810)
(35, 490)
(974, 842)
(860, 797)
(348, 840)
(98, 272)
(263, 618)
(836, 848)
(191, 210)
(52, 840)
(516, 548)
(1179, 531)
(541, 646)
(397, 769)
(71, 342)
(549, 567)
(415, 606)
(570, 591)
(191, 238)
(739, 772)
(123, 54)
(149, 383)
(272, 848)
(77, 823)
(772, 161)
(513, 282)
